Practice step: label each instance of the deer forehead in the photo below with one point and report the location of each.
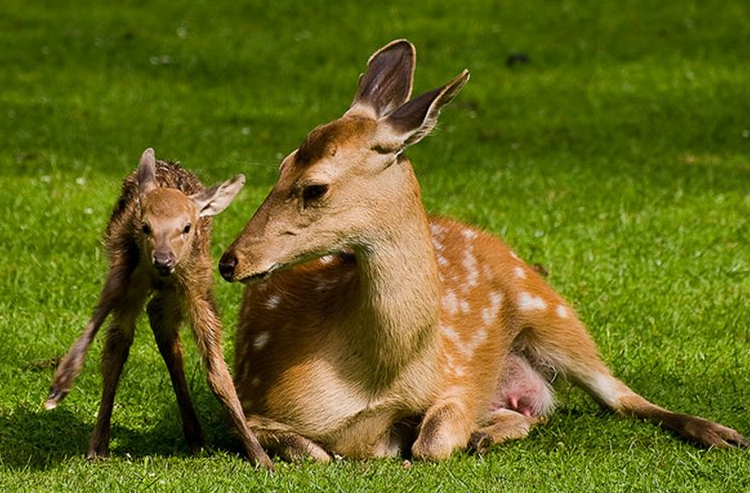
(346, 135)
(167, 207)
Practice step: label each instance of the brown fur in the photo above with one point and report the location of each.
(416, 319)
(167, 201)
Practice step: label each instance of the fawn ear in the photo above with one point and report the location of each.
(414, 120)
(387, 83)
(147, 172)
(212, 201)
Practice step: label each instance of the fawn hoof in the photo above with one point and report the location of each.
(54, 398)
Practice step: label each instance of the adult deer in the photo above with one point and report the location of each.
(363, 312)
(158, 240)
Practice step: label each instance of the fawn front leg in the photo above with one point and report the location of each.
(114, 355)
(165, 317)
(207, 329)
(71, 364)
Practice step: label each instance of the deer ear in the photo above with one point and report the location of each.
(387, 83)
(414, 120)
(212, 201)
(147, 172)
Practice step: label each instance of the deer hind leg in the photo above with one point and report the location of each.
(499, 426)
(165, 318)
(71, 364)
(283, 441)
(114, 356)
(564, 344)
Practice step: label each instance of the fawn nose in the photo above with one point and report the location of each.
(227, 265)
(164, 262)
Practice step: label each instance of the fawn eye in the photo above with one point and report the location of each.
(146, 229)
(186, 229)
(313, 192)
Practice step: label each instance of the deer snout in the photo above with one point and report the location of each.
(164, 262)
(227, 264)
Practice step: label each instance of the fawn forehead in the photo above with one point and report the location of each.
(326, 140)
(167, 204)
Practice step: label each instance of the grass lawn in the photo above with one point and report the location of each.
(618, 158)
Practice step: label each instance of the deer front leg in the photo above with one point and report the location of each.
(445, 428)
(114, 355)
(207, 329)
(284, 441)
(71, 364)
(165, 319)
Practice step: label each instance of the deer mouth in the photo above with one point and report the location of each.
(256, 278)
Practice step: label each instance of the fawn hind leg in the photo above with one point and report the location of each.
(207, 330)
(165, 318)
(114, 355)
(70, 366)
(565, 344)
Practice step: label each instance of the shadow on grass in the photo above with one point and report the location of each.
(38, 439)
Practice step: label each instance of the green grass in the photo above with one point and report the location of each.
(619, 158)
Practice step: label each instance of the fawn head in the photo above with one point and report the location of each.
(169, 217)
(346, 178)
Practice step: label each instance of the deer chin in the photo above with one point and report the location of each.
(281, 266)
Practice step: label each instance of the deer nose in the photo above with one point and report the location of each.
(164, 262)
(227, 264)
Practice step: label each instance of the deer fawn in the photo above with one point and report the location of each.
(157, 239)
(362, 314)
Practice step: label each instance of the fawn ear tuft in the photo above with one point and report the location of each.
(212, 201)
(147, 172)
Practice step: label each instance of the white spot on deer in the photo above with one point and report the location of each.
(520, 273)
(528, 302)
(326, 284)
(437, 244)
(255, 382)
(442, 261)
(561, 311)
(513, 254)
(437, 229)
(327, 259)
(459, 371)
(261, 340)
(450, 302)
(472, 269)
(490, 313)
(465, 306)
(450, 333)
(273, 301)
(469, 234)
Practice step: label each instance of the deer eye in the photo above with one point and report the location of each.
(146, 229)
(313, 192)
(186, 229)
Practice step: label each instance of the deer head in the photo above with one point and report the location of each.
(169, 217)
(348, 181)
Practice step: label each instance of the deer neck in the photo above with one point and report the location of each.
(399, 292)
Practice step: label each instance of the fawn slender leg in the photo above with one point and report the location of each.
(284, 441)
(207, 330)
(114, 355)
(71, 364)
(165, 317)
